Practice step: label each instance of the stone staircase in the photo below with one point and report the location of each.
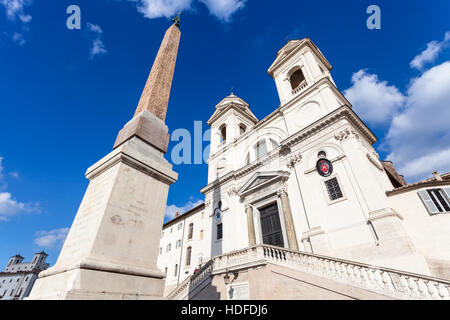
(387, 282)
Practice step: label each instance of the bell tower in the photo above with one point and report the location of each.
(231, 119)
(298, 65)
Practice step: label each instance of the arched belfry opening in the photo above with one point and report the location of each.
(297, 78)
(223, 133)
(242, 128)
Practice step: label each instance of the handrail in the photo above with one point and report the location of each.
(388, 282)
(191, 281)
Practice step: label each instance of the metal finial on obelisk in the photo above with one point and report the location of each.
(155, 97)
(176, 19)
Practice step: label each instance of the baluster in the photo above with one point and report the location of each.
(378, 280)
(357, 274)
(350, 273)
(387, 283)
(444, 292)
(423, 289)
(432, 288)
(412, 285)
(337, 270)
(364, 278)
(344, 273)
(404, 286)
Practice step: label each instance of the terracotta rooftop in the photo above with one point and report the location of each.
(424, 183)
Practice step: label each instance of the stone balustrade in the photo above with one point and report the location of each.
(300, 88)
(182, 291)
(392, 283)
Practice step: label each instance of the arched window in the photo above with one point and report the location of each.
(247, 159)
(297, 78)
(223, 133)
(261, 149)
(242, 129)
(322, 155)
(188, 256)
(190, 231)
(274, 144)
(221, 167)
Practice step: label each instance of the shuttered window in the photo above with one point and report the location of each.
(436, 200)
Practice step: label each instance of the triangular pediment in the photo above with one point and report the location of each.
(260, 179)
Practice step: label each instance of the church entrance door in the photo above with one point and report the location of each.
(271, 226)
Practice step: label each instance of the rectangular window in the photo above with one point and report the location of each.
(169, 247)
(160, 250)
(334, 190)
(220, 231)
(178, 244)
(188, 256)
(180, 226)
(191, 231)
(176, 270)
(436, 200)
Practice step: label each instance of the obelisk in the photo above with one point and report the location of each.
(112, 248)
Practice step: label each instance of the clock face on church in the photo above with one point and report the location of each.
(324, 168)
(218, 214)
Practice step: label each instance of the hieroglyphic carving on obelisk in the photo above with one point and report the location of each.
(155, 96)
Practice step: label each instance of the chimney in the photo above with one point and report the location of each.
(177, 215)
(437, 176)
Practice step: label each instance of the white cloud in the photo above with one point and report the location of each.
(419, 136)
(224, 9)
(430, 54)
(51, 239)
(94, 28)
(9, 207)
(14, 175)
(15, 9)
(2, 178)
(374, 100)
(162, 8)
(97, 46)
(173, 209)
(19, 39)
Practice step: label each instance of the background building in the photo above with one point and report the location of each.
(185, 246)
(18, 278)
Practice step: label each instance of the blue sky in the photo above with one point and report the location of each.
(65, 94)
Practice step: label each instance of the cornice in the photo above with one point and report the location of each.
(233, 106)
(343, 112)
(308, 43)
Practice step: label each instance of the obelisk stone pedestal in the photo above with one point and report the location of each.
(112, 248)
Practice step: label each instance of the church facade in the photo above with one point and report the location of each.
(307, 179)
